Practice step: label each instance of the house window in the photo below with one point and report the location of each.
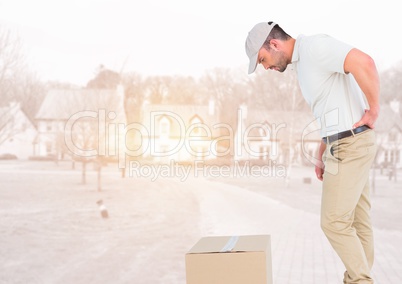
(391, 156)
(392, 136)
(395, 156)
(164, 128)
(196, 130)
(49, 127)
(48, 148)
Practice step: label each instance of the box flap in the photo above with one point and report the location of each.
(216, 244)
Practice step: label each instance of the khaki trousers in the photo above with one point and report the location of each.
(345, 217)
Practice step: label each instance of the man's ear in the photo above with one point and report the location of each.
(274, 44)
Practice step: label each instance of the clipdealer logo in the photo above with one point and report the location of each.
(200, 168)
(90, 134)
(98, 134)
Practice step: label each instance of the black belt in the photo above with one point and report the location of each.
(344, 134)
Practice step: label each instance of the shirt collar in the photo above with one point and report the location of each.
(295, 55)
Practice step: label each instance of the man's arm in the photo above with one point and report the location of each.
(319, 167)
(363, 69)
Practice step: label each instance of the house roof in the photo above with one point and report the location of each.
(300, 122)
(13, 120)
(6, 116)
(62, 104)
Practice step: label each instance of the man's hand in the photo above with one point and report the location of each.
(319, 170)
(319, 164)
(369, 118)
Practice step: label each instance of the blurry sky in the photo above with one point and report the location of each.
(66, 40)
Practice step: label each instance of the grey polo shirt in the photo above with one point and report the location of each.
(335, 98)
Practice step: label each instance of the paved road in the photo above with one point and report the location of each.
(51, 230)
(300, 251)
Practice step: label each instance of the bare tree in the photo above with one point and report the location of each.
(20, 90)
(157, 89)
(30, 92)
(85, 137)
(104, 79)
(134, 96)
(183, 90)
(11, 63)
(391, 84)
(219, 84)
(87, 132)
(9, 123)
(134, 99)
(225, 87)
(276, 91)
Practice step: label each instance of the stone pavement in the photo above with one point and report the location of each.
(50, 222)
(300, 251)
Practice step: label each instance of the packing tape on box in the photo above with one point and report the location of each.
(230, 244)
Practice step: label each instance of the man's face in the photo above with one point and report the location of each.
(273, 59)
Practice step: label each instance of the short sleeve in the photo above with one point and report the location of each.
(329, 53)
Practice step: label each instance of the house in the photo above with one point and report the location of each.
(17, 132)
(80, 123)
(389, 136)
(294, 137)
(281, 136)
(182, 133)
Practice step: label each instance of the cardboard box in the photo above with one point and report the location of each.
(230, 260)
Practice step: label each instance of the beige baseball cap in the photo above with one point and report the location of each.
(255, 39)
